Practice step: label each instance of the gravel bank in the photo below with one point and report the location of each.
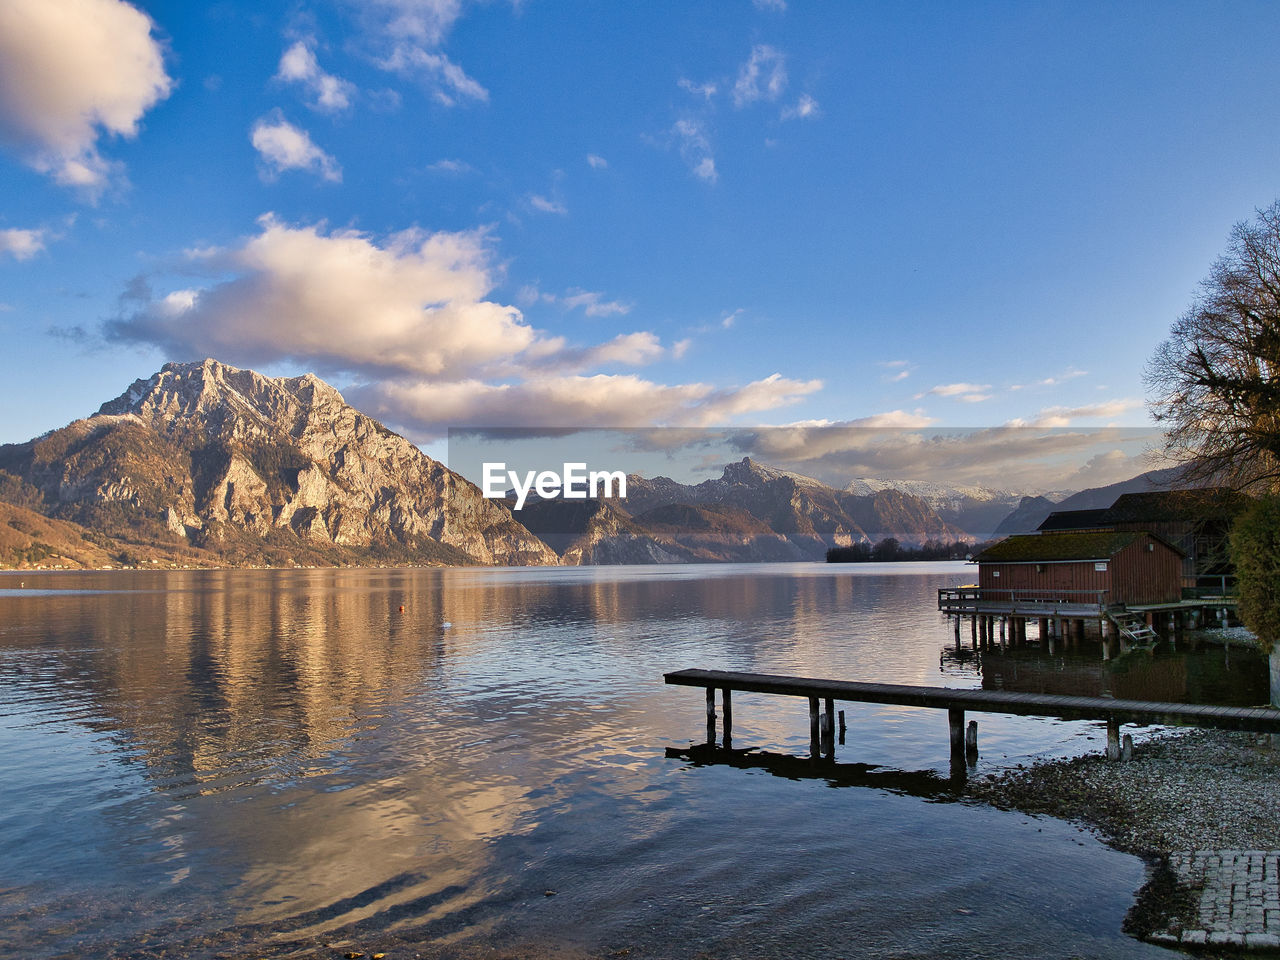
(1183, 790)
(1199, 806)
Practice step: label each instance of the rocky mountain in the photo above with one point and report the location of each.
(28, 539)
(976, 510)
(717, 532)
(588, 532)
(225, 464)
(805, 513)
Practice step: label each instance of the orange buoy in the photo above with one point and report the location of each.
(402, 608)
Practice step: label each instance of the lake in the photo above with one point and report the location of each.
(211, 763)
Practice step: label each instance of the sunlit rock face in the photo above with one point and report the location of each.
(227, 459)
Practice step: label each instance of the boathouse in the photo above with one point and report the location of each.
(1098, 567)
(1198, 522)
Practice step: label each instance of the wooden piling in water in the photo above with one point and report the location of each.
(727, 694)
(1113, 739)
(955, 720)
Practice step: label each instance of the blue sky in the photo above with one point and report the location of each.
(684, 214)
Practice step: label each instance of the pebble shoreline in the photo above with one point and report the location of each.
(1199, 806)
(1183, 790)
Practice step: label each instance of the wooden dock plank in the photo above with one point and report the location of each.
(1262, 719)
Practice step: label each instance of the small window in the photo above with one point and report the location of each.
(995, 573)
(1039, 568)
(1101, 567)
(1151, 548)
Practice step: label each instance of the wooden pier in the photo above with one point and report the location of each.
(956, 702)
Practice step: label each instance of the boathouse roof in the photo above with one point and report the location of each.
(1074, 520)
(1064, 546)
(1167, 505)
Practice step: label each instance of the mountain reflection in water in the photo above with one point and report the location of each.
(210, 763)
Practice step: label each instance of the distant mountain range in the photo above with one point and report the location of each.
(1033, 511)
(977, 510)
(206, 464)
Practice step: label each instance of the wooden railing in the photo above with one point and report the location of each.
(970, 599)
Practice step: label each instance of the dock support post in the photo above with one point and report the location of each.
(1113, 739)
(955, 720)
(815, 736)
(1126, 748)
(829, 727)
(728, 717)
(971, 740)
(711, 716)
(842, 728)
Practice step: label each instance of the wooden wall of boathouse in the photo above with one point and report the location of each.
(1146, 570)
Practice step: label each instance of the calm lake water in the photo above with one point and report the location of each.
(215, 763)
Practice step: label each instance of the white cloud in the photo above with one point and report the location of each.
(602, 400)
(407, 36)
(626, 349)
(1071, 373)
(424, 21)
(591, 302)
(1065, 416)
(449, 81)
(706, 91)
(680, 348)
(899, 370)
(410, 316)
(804, 108)
(775, 6)
(286, 147)
(298, 64)
(762, 77)
(21, 244)
(907, 445)
(456, 167)
(968, 392)
(69, 72)
(596, 162)
(543, 205)
(412, 305)
(695, 148)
